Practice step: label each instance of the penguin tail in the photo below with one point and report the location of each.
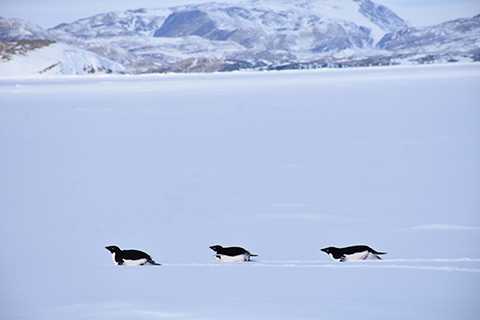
(254, 255)
(153, 263)
(376, 255)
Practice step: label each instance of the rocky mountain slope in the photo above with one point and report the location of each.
(27, 49)
(262, 34)
(458, 37)
(249, 34)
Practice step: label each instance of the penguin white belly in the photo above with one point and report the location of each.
(372, 256)
(113, 258)
(134, 262)
(355, 256)
(225, 258)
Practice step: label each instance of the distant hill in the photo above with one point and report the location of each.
(28, 49)
(259, 35)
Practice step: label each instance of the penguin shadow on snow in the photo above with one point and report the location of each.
(352, 253)
(130, 257)
(231, 254)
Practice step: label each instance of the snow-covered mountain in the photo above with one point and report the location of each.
(30, 57)
(457, 37)
(28, 49)
(18, 29)
(252, 33)
(452, 41)
(264, 34)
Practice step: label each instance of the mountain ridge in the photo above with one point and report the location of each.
(265, 35)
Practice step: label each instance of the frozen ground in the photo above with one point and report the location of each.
(281, 163)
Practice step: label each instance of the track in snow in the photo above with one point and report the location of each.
(413, 264)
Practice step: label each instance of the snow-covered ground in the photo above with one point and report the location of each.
(281, 163)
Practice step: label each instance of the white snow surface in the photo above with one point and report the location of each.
(280, 163)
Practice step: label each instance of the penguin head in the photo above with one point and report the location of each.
(216, 248)
(113, 249)
(328, 250)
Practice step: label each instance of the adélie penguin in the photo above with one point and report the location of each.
(231, 254)
(360, 252)
(130, 257)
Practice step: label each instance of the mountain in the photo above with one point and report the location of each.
(18, 29)
(29, 57)
(451, 41)
(459, 37)
(261, 35)
(253, 33)
(27, 49)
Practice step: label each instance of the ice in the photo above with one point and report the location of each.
(280, 163)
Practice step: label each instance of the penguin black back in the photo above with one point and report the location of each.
(130, 257)
(229, 251)
(342, 254)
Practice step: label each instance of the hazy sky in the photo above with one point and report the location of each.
(50, 13)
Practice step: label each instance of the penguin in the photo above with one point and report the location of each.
(130, 257)
(352, 253)
(231, 254)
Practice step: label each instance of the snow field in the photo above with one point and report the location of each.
(280, 163)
